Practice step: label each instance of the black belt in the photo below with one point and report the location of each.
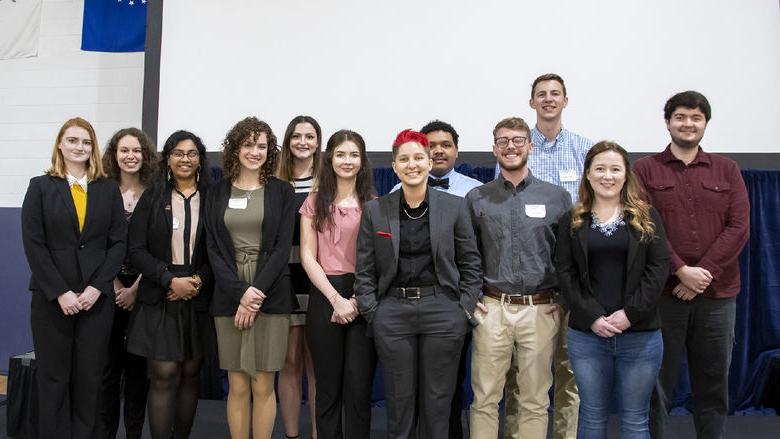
(412, 292)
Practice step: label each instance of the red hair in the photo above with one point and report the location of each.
(409, 135)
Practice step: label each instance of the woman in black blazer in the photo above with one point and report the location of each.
(73, 232)
(130, 159)
(250, 227)
(612, 264)
(170, 325)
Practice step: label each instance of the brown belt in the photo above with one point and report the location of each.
(540, 297)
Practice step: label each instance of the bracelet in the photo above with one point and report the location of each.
(330, 299)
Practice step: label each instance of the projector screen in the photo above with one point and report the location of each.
(379, 67)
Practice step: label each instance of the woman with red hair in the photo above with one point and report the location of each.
(417, 282)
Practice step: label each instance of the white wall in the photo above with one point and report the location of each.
(379, 67)
(38, 94)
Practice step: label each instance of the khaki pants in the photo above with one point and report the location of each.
(566, 399)
(528, 334)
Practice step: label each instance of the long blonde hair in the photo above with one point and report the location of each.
(95, 167)
(637, 209)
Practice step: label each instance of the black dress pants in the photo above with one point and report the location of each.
(135, 387)
(704, 328)
(419, 342)
(344, 361)
(71, 353)
(456, 410)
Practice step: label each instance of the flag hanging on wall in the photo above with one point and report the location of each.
(20, 25)
(114, 25)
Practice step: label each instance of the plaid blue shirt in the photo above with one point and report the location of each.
(558, 161)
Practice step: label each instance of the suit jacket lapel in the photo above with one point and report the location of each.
(67, 199)
(633, 246)
(91, 205)
(168, 211)
(582, 238)
(433, 226)
(390, 207)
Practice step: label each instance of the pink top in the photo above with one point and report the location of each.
(336, 245)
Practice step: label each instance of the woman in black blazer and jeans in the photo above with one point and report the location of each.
(250, 228)
(170, 325)
(612, 263)
(73, 231)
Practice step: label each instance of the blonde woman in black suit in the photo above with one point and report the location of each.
(73, 231)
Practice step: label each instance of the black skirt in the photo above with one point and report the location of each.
(171, 330)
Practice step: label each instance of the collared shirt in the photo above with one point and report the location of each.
(516, 229)
(415, 255)
(83, 182)
(558, 161)
(706, 214)
(460, 184)
(185, 213)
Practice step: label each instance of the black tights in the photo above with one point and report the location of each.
(173, 397)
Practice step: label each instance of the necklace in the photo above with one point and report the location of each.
(415, 217)
(609, 227)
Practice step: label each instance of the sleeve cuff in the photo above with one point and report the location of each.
(166, 278)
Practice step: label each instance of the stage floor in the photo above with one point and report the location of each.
(210, 423)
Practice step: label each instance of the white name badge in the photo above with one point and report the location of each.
(175, 223)
(535, 210)
(237, 203)
(567, 175)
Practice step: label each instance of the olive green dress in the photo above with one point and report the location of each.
(262, 347)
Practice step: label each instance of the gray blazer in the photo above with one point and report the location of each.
(455, 256)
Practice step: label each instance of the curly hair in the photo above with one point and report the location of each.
(250, 129)
(327, 183)
(637, 209)
(148, 172)
(284, 169)
(437, 125)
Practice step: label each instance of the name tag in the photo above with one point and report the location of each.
(567, 175)
(535, 210)
(175, 223)
(237, 203)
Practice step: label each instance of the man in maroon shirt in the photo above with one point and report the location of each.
(704, 206)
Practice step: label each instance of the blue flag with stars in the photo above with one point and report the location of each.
(114, 25)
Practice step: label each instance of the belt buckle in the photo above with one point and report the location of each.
(415, 289)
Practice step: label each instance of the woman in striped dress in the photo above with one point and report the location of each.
(298, 164)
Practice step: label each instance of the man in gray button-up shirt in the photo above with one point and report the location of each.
(515, 218)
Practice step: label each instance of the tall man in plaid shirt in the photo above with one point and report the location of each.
(557, 157)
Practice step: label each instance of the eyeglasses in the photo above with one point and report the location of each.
(503, 142)
(191, 154)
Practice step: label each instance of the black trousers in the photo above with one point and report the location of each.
(703, 327)
(456, 410)
(344, 361)
(71, 353)
(419, 342)
(134, 388)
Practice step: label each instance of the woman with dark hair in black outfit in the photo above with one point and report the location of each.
(170, 325)
(130, 159)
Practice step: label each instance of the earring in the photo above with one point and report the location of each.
(169, 173)
(197, 175)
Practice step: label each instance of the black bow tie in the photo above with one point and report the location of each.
(441, 182)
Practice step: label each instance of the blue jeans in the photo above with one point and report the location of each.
(625, 366)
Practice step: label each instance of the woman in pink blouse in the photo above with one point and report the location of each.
(344, 357)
